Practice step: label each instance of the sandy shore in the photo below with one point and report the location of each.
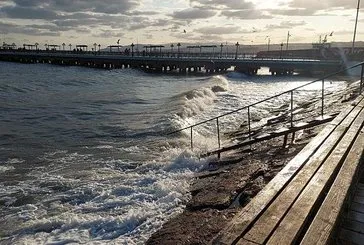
(219, 192)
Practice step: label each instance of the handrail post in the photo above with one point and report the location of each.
(191, 139)
(218, 132)
(291, 108)
(361, 78)
(249, 122)
(322, 97)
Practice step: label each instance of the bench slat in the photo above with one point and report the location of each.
(289, 229)
(354, 225)
(242, 220)
(351, 237)
(321, 229)
(264, 226)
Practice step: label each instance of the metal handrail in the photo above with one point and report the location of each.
(272, 97)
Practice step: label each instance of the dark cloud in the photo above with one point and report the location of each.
(17, 12)
(193, 13)
(27, 29)
(96, 6)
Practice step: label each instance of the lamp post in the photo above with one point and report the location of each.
(132, 49)
(221, 46)
(99, 47)
(280, 56)
(178, 45)
(356, 24)
(63, 45)
(288, 35)
(95, 45)
(236, 51)
(70, 45)
(36, 46)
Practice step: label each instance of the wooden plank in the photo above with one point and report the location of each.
(264, 226)
(351, 237)
(359, 199)
(246, 242)
(350, 118)
(360, 186)
(322, 227)
(339, 118)
(354, 226)
(250, 212)
(359, 192)
(356, 216)
(358, 207)
(289, 229)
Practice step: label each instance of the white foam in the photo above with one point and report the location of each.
(6, 168)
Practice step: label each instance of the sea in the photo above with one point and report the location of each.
(85, 154)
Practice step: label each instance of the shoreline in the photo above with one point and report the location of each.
(226, 186)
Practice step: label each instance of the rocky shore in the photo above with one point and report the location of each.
(226, 185)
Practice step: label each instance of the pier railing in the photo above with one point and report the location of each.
(164, 54)
(290, 93)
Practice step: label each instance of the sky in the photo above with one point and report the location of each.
(187, 21)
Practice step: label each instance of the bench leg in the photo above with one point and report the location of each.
(293, 135)
(285, 140)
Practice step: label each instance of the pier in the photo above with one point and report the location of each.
(168, 62)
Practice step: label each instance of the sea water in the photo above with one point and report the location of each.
(85, 156)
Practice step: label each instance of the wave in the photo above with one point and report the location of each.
(195, 101)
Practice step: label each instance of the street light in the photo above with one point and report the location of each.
(132, 49)
(280, 56)
(99, 47)
(236, 52)
(178, 45)
(95, 45)
(70, 45)
(356, 23)
(221, 45)
(288, 35)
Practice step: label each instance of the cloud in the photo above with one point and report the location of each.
(223, 4)
(212, 30)
(96, 6)
(27, 30)
(314, 7)
(323, 4)
(251, 14)
(193, 13)
(17, 12)
(285, 25)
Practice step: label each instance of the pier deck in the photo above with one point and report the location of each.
(183, 63)
(306, 202)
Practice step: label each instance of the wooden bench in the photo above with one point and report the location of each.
(304, 202)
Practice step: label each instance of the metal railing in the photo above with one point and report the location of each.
(291, 105)
(164, 54)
